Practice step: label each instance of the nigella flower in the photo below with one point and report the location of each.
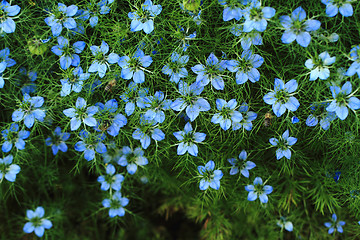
(146, 130)
(248, 116)
(134, 67)
(297, 28)
(104, 8)
(284, 144)
(5, 61)
(175, 69)
(285, 224)
(8, 170)
(245, 67)
(181, 35)
(89, 144)
(342, 100)
(57, 141)
(232, 12)
(101, 62)
(354, 67)
(62, 15)
(29, 111)
(190, 100)
(109, 120)
(228, 115)
(74, 83)
(335, 6)
(210, 72)
(142, 19)
(188, 139)
(256, 17)
(246, 39)
(131, 94)
(7, 11)
(155, 104)
(26, 80)
(110, 180)
(281, 98)
(14, 136)
(68, 56)
(116, 203)
(242, 165)
(132, 159)
(258, 190)
(319, 112)
(334, 225)
(37, 223)
(319, 68)
(78, 114)
(210, 177)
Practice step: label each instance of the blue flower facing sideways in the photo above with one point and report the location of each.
(228, 115)
(116, 204)
(101, 62)
(8, 25)
(258, 190)
(68, 56)
(281, 98)
(110, 180)
(210, 177)
(15, 137)
(243, 166)
(8, 170)
(285, 224)
(37, 223)
(297, 28)
(143, 18)
(57, 141)
(187, 139)
(334, 225)
(284, 144)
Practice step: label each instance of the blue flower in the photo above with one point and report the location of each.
(89, 144)
(37, 223)
(176, 69)
(62, 15)
(193, 104)
(101, 62)
(156, 105)
(246, 39)
(109, 120)
(75, 83)
(104, 8)
(284, 145)
(134, 67)
(5, 61)
(342, 100)
(27, 80)
(78, 114)
(334, 225)
(144, 19)
(110, 180)
(132, 159)
(294, 119)
(187, 139)
(319, 112)
(116, 203)
(281, 98)
(355, 66)
(232, 12)
(210, 176)
(68, 56)
(245, 67)
(248, 116)
(210, 72)
(319, 68)
(184, 38)
(297, 28)
(256, 17)
(333, 7)
(131, 95)
(258, 190)
(285, 224)
(57, 141)
(8, 170)
(242, 165)
(6, 23)
(29, 111)
(146, 130)
(14, 136)
(228, 115)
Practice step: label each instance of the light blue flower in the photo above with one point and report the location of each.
(143, 19)
(110, 180)
(62, 16)
(5, 62)
(8, 170)
(256, 17)
(15, 137)
(68, 56)
(319, 112)
(132, 159)
(297, 28)
(355, 66)
(334, 225)
(248, 117)
(319, 68)
(116, 203)
(29, 110)
(241, 165)
(101, 62)
(342, 100)
(145, 133)
(281, 98)
(335, 6)
(8, 25)
(155, 106)
(74, 83)
(37, 223)
(57, 141)
(258, 190)
(132, 95)
(284, 145)
(285, 224)
(27, 81)
(188, 139)
(175, 69)
(90, 143)
(228, 115)
(246, 39)
(210, 177)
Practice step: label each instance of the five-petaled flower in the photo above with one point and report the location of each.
(101, 62)
(37, 223)
(243, 166)
(8, 170)
(110, 180)
(132, 159)
(68, 56)
(284, 145)
(57, 141)
(256, 17)
(6, 23)
(175, 69)
(116, 203)
(334, 225)
(62, 15)
(14, 136)
(355, 66)
(142, 19)
(258, 190)
(319, 67)
(210, 177)
(90, 143)
(228, 115)
(187, 139)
